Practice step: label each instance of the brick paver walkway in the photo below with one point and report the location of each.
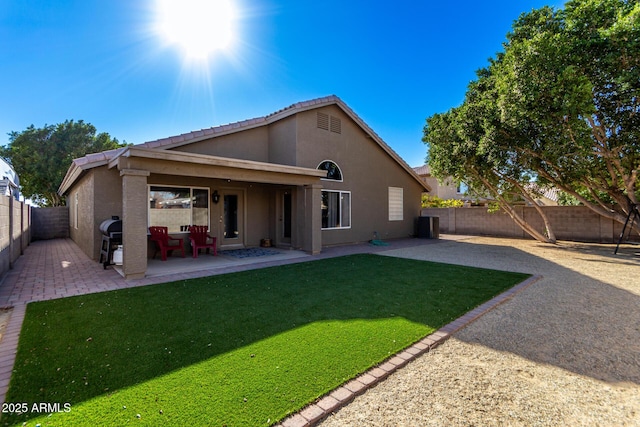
(47, 270)
(58, 268)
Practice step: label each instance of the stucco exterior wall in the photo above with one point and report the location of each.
(445, 190)
(260, 203)
(295, 142)
(99, 197)
(448, 190)
(251, 144)
(282, 142)
(107, 203)
(368, 172)
(82, 217)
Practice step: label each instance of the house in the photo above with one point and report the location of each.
(445, 190)
(449, 189)
(310, 175)
(544, 195)
(9, 181)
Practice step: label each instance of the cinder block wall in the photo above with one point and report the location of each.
(5, 233)
(575, 223)
(50, 223)
(15, 231)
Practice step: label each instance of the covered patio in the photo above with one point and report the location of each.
(226, 260)
(141, 167)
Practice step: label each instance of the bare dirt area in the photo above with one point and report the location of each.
(565, 351)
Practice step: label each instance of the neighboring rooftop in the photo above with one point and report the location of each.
(422, 170)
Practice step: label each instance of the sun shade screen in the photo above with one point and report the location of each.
(396, 202)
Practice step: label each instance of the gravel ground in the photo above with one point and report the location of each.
(564, 352)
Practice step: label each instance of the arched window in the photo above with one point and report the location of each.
(333, 170)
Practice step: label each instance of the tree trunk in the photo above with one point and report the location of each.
(526, 227)
(505, 206)
(551, 235)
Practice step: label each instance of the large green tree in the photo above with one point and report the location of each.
(461, 146)
(41, 156)
(560, 104)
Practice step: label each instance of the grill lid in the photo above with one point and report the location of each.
(109, 226)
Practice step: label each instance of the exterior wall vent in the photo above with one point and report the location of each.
(323, 121)
(330, 123)
(335, 125)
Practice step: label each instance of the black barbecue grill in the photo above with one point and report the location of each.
(111, 230)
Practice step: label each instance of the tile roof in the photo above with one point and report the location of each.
(194, 136)
(422, 170)
(98, 159)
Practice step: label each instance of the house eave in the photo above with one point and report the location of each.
(246, 170)
(73, 173)
(204, 134)
(82, 164)
(166, 145)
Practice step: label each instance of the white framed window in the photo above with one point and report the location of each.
(396, 204)
(336, 209)
(178, 207)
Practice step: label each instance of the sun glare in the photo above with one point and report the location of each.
(198, 27)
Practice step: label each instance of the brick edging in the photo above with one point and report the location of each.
(343, 395)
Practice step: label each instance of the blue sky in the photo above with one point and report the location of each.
(102, 61)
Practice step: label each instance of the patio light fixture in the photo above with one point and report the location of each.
(215, 197)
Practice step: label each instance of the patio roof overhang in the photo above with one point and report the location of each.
(179, 163)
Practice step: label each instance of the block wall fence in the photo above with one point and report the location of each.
(575, 223)
(20, 224)
(15, 231)
(50, 223)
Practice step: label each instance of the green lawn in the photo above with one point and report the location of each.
(242, 349)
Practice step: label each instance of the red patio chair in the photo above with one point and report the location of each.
(199, 236)
(160, 235)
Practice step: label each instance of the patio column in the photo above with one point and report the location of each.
(312, 233)
(134, 223)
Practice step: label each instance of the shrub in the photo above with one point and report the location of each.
(436, 202)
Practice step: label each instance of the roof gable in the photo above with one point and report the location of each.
(203, 134)
(99, 159)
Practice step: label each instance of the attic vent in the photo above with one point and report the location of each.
(323, 121)
(335, 125)
(327, 122)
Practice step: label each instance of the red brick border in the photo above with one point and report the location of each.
(343, 395)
